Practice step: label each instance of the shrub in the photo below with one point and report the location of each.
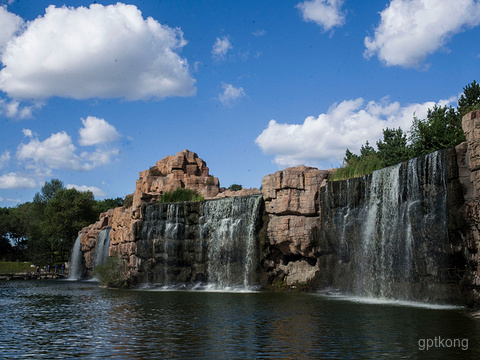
(235, 187)
(180, 195)
(114, 273)
(128, 202)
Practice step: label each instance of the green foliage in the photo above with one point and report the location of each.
(15, 267)
(180, 195)
(442, 129)
(114, 273)
(128, 202)
(393, 148)
(357, 167)
(107, 204)
(470, 99)
(235, 187)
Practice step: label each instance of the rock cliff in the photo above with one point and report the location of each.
(415, 226)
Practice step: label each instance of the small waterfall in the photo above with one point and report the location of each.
(102, 247)
(211, 244)
(76, 257)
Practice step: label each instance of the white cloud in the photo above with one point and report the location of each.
(12, 109)
(59, 152)
(27, 133)
(1, 199)
(11, 24)
(230, 94)
(97, 131)
(221, 47)
(100, 51)
(17, 181)
(410, 30)
(4, 159)
(95, 190)
(326, 13)
(260, 32)
(322, 141)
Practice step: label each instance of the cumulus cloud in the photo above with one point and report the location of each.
(59, 152)
(221, 47)
(100, 51)
(410, 30)
(17, 181)
(11, 24)
(325, 13)
(13, 109)
(95, 190)
(230, 94)
(322, 141)
(4, 159)
(97, 131)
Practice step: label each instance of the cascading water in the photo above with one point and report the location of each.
(211, 244)
(393, 240)
(76, 266)
(102, 247)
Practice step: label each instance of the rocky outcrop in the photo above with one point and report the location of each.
(183, 170)
(469, 173)
(292, 205)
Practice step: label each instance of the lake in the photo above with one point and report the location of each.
(68, 319)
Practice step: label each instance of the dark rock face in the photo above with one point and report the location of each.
(213, 243)
(387, 234)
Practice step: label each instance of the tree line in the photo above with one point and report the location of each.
(442, 129)
(44, 230)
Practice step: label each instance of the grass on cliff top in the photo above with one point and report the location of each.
(357, 168)
(181, 195)
(7, 267)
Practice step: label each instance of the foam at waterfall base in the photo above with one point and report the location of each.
(199, 287)
(331, 294)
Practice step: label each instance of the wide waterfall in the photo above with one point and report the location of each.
(76, 263)
(211, 244)
(390, 230)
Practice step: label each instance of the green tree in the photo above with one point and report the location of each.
(393, 148)
(470, 99)
(65, 215)
(235, 187)
(367, 150)
(102, 206)
(441, 129)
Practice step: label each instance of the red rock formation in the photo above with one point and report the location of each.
(292, 202)
(468, 158)
(183, 170)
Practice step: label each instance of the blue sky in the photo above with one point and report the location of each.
(94, 94)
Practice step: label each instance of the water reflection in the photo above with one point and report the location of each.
(78, 320)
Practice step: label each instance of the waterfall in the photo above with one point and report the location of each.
(102, 247)
(404, 229)
(211, 244)
(390, 230)
(76, 257)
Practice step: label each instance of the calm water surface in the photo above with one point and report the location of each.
(61, 319)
